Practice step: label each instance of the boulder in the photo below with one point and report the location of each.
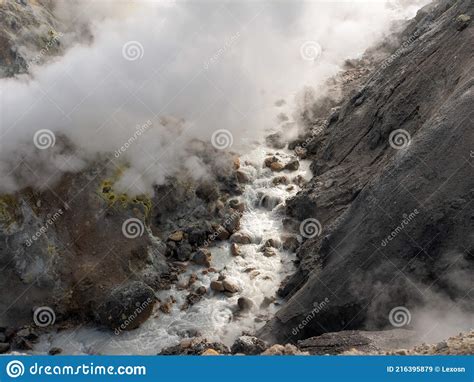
(184, 251)
(248, 345)
(127, 306)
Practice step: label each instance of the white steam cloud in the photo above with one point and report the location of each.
(190, 68)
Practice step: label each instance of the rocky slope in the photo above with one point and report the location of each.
(392, 188)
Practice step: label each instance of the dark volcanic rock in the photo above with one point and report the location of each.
(397, 221)
(248, 345)
(127, 307)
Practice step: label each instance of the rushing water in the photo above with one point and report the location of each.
(214, 317)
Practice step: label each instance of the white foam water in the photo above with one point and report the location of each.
(215, 315)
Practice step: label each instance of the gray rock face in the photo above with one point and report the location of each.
(395, 206)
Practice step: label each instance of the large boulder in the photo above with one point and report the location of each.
(127, 306)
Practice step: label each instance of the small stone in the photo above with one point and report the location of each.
(217, 286)
(299, 180)
(277, 166)
(280, 180)
(267, 301)
(245, 304)
(54, 351)
(202, 257)
(292, 165)
(222, 233)
(166, 307)
(462, 21)
(237, 205)
(241, 238)
(235, 250)
(176, 236)
(236, 163)
(210, 352)
(273, 243)
(269, 252)
(230, 286)
(201, 290)
(242, 177)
